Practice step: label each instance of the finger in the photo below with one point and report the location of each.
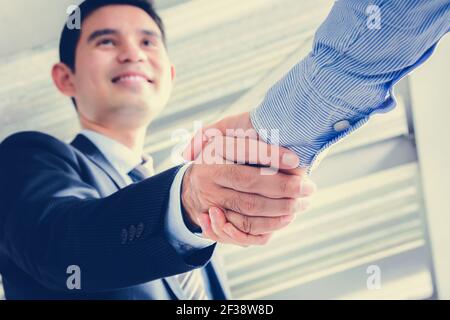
(234, 233)
(248, 179)
(205, 225)
(247, 150)
(195, 146)
(297, 171)
(238, 125)
(207, 230)
(258, 225)
(254, 204)
(218, 222)
(308, 187)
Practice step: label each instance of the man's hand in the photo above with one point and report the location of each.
(235, 203)
(234, 124)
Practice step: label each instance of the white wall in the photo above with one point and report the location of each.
(431, 102)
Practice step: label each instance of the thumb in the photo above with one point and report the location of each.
(201, 139)
(224, 127)
(195, 146)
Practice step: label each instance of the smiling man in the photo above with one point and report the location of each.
(94, 205)
(121, 53)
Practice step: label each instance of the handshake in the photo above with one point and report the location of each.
(240, 190)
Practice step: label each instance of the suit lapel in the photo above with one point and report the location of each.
(85, 145)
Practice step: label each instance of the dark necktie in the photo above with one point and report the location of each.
(140, 172)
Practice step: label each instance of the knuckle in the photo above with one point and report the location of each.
(250, 203)
(246, 224)
(231, 216)
(283, 186)
(232, 203)
(239, 178)
(233, 173)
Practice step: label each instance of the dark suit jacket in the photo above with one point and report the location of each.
(64, 205)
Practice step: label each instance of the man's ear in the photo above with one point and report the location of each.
(62, 77)
(173, 72)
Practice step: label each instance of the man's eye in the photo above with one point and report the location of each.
(106, 42)
(147, 43)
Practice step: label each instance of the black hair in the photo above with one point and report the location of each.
(70, 36)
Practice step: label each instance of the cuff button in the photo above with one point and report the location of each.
(341, 125)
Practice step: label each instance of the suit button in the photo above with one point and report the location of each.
(139, 230)
(132, 232)
(123, 236)
(185, 247)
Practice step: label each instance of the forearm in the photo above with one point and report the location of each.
(180, 225)
(51, 220)
(350, 73)
(88, 233)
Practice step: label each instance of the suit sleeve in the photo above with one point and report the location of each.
(50, 220)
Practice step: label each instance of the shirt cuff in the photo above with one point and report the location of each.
(176, 225)
(295, 115)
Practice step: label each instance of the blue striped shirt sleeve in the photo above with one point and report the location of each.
(361, 50)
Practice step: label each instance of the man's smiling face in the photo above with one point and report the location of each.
(123, 76)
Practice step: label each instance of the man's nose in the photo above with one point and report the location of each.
(131, 53)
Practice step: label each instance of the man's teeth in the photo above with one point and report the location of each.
(131, 79)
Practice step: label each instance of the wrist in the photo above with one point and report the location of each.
(187, 201)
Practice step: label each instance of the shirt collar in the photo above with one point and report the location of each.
(121, 158)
